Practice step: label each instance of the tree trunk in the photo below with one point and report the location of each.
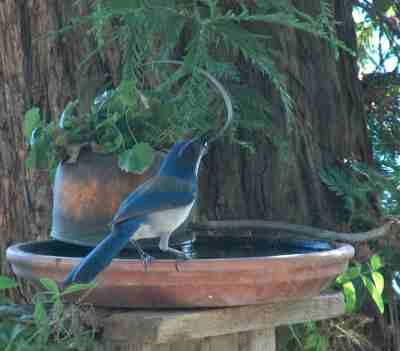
(37, 68)
(280, 182)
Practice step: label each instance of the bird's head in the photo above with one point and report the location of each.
(183, 159)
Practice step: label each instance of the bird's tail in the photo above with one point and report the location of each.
(101, 256)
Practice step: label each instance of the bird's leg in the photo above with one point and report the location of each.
(146, 258)
(163, 245)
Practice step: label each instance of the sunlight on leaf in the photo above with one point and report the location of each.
(374, 292)
(350, 296)
(379, 281)
(376, 262)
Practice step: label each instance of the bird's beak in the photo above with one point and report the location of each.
(204, 140)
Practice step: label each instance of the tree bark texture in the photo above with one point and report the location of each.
(329, 125)
(38, 69)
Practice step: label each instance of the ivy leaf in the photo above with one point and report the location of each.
(375, 294)
(40, 153)
(137, 159)
(350, 297)
(350, 274)
(379, 281)
(376, 262)
(7, 283)
(31, 121)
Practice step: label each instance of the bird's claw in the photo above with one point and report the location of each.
(180, 256)
(147, 260)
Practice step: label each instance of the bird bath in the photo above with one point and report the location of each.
(223, 271)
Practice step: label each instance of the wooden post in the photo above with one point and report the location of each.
(246, 328)
(262, 340)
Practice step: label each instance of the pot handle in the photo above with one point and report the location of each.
(220, 88)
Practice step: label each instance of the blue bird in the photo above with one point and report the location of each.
(155, 209)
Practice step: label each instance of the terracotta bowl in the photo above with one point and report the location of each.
(205, 281)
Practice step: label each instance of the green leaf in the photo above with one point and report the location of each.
(350, 297)
(7, 283)
(68, 114)
(78, 287)
(31, 121)
(40, 314)
(50, 285)
(376, 262)
(379, 281)
(127, 93)
(42, 322)
(137, 159)
(374, 292)
(349, 275)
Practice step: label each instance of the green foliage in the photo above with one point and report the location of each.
(137, 158)
(50, 325)
(206, 34)
(304, 337)
(7, 283)
(377, 36)
(31, 122)
(359, 278)
(108, 128)
(357, 185)
(314, 341)
(379, 57)
(154, 104)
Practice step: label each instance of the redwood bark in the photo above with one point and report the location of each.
(329, 125)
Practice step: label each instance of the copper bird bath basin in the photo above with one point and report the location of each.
(223, 272)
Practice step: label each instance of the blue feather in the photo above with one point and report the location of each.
(173, 188)
(100, 257)
(157, 194)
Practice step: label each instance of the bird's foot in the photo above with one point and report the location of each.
(180, 256)
(147, 260)
(145, 257)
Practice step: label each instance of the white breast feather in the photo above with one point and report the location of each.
(162, 222)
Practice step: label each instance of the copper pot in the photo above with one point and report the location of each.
(86, 195)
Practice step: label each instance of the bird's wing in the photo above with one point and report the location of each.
(158, 194)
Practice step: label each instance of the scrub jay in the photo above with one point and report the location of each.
(155, 209)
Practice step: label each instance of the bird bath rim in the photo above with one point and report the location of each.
(200, 282)
(336, 249)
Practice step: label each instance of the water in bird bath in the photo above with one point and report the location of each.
(204, 247)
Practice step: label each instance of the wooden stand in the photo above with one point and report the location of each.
(246, 328)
